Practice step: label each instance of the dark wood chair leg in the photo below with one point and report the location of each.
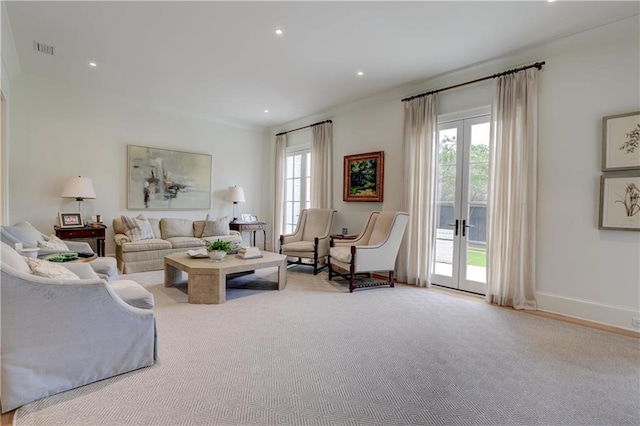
(352, 269)
(329, 266)
(315, 256)
(391, 280)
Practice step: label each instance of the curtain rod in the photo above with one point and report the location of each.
(515, 70)
(304, 127)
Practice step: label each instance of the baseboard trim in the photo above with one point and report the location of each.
(599, 313)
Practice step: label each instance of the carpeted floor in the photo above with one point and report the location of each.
(314, 354)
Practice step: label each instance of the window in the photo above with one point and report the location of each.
(297, 186)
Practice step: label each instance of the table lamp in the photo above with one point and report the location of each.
(234, 194)
(79, 188)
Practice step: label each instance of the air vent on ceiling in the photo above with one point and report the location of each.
(43, 48)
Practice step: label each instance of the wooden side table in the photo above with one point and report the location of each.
(84, 233)
(249, 227)
(344, 236)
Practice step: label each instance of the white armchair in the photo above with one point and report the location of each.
(58, 334)
(310, 239)
(375, 249)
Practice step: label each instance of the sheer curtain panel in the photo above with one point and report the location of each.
(511, 236)
(321, 173)
(420, 123)
(278, 202)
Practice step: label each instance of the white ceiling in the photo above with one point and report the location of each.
(223, 60)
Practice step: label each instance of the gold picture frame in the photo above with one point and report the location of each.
(364, 177)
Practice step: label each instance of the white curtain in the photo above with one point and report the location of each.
(278, 202)
(420, 124)
(511, 233)
(321, 196)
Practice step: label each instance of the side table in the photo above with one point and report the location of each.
(343, 236)
(251, 226)
(84, 233)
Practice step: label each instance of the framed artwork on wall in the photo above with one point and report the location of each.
(621, 142)
(364, 177)
(163, 179)
(620, 202)
(70, 220)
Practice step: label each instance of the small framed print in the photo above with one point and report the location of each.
(70, 220)
(248, 218)
(620, 202)
(621, 142)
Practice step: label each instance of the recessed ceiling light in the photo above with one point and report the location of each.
(551, 1)
(360, 73)
(93, 64)
(266, 111)
(279, 31)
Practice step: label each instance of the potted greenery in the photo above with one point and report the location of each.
(218, 249)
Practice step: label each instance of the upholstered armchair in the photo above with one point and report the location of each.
(26, 234)
(30, 237)
(64, 332)
(375, 249)
(310, 239)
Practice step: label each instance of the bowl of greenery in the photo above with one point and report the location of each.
(63, 257)
(218, 249)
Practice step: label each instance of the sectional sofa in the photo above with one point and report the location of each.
(170, 235)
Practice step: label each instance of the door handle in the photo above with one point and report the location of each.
(456, 225)
(465, 226)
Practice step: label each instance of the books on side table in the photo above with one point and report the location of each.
(249, 253)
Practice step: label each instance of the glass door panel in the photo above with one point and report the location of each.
(461, 199)
(446, 245)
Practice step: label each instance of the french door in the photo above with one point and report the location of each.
(460, 255)
(297, 187)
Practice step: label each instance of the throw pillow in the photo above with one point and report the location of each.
(215, 227)
(137, 228)
(47, 269)
(54, 243)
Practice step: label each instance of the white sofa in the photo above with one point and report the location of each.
(170, 235)
(58, 334)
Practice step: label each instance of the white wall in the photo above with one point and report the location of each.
(58, 131)
(10, 66)
(582, 271)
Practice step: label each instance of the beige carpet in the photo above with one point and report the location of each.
(314, 354)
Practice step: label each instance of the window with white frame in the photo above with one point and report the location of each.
(297, 185)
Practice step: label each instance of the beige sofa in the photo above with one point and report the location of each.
(170, 236)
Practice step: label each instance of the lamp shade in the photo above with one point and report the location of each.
(234, 194)
(79, 188)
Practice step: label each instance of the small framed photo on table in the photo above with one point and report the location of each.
(70, 220)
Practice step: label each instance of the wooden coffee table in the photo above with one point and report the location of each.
(207, 281)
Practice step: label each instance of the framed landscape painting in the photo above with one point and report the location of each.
(620, 202)
(364, 177)
(163, 179)
(621, 142)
